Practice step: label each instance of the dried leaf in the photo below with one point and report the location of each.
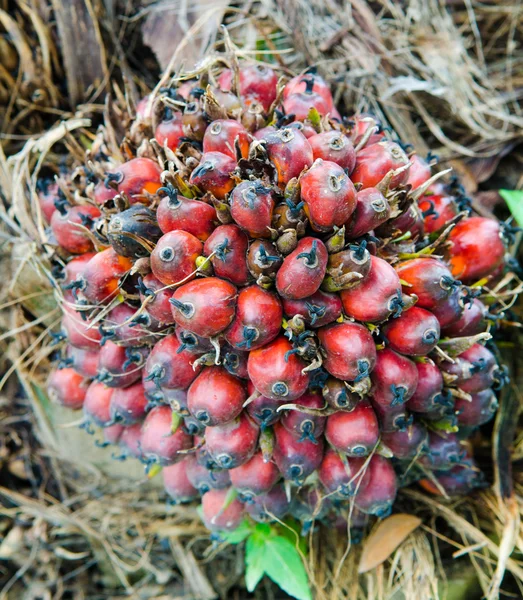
(167, 24)
(76, 21)
(382, 542)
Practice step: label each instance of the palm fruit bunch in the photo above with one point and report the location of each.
(277, 306)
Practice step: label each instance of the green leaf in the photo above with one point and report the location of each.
(514, 200)
(262, 531)
(254, 561)
(241, 532)
(284, 566)
(292, 532)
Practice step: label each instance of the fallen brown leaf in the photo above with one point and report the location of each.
(382, 542)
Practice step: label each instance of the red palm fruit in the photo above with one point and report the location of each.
(170, 365)
(458, 481)
(437, 210)
(192, 342)
(192, 216)
(159, 307)
(229, 245)
(394, 378)
(258, 319)
(174, 258)
(375, 161)
(177, 484)
(309, 505)
(328, 194)
(428, 393)
(138, 178)
(301, 83)
(296, 460)
(132, 232)
(269, 506)
(263, 258)
(444, 452)
(257, 84)
(220, 514)
(128, 405)
(97, 404)
(252, 204)
(177, 400)
(474, 369)
(80, 333)
(317, 310)
(264, 411)
(194, 120)
(471, 322)
(169, 130)
(307, 130)
(334, 146)
(204, 479)
(163, 437)
(300, 104)
(221, 136)
(379, 495)
(235, 361)
(410, 221)
(302, 425)
(302, 270)
(188, 88)
(48, 193)
(415, 332)
(69, 224)
(253, 116)
(254, 477)
(348, 268)
(450, 309)
(72, 275)
(213, 174)
(469, 239)
(477, 411)
(83, 361)
(205, 306)
(372, 210)
(407, 444)
(419, 171)
(67, 387)
(232, 444)
(290, 153)
(102, 276)
(428, 278)
(391, 418)
(112, 434)
(120, 367)
(215, 396)
(130, 330)
(344, 478)
(377, 297)
(143, 109)
(354, 433)
(350, 350)
(226, 99)
(262, 133)
(359, 126)
(276, 372)
(129, 440)
(338, 396)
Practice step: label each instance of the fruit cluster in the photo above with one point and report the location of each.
(276, 305)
